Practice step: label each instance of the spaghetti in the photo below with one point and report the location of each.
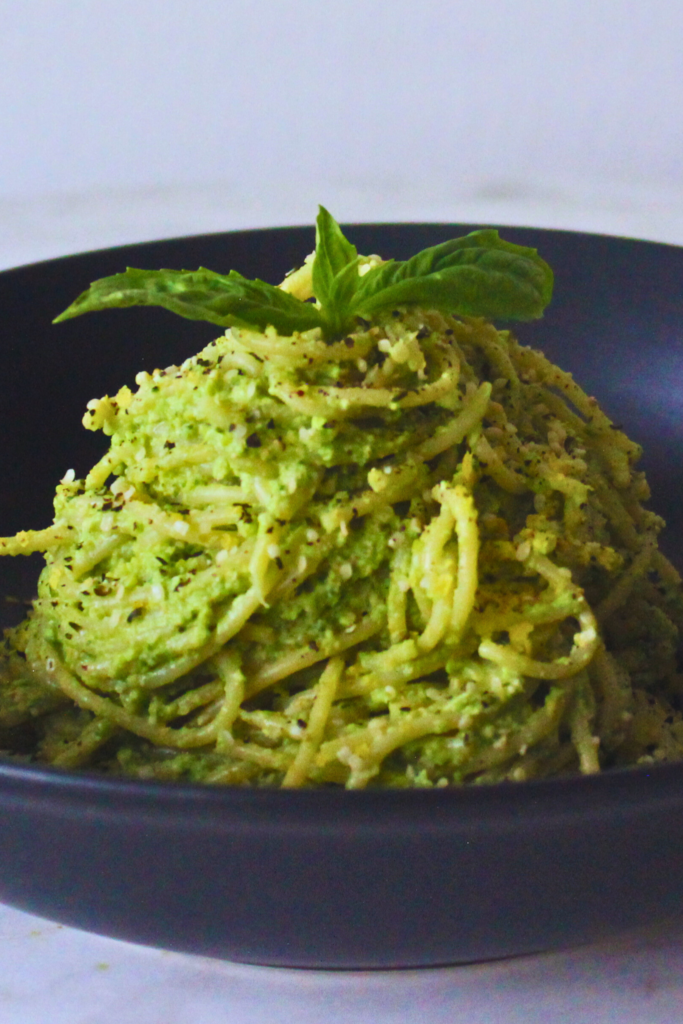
(416, 555)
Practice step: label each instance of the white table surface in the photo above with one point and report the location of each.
(55, 975)
(51, 974)
(55, 225)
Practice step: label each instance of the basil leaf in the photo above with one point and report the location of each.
(200, 295)
(335, 272)
(477, 275)
(333, 253)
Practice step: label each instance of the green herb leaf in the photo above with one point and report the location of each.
(477, 275)
(335, 272)
(333, 254)
(200, 295)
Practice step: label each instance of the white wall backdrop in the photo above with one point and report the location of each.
(145, 118)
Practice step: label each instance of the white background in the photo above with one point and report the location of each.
(148, 118)
(124, 120)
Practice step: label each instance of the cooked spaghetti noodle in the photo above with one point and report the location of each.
(414, 556)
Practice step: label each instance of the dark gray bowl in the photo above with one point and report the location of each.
(328, 878)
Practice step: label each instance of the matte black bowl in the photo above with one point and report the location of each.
(328, 878)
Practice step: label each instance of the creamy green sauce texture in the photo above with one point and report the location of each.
(413, 554)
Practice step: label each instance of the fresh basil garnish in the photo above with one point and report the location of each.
(479, 274)
(224, 299)
(335, 272)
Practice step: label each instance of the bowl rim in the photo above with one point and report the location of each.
(346, 224)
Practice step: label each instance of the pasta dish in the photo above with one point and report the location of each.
(364, 537)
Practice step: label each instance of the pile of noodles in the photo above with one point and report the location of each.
(417, 556)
